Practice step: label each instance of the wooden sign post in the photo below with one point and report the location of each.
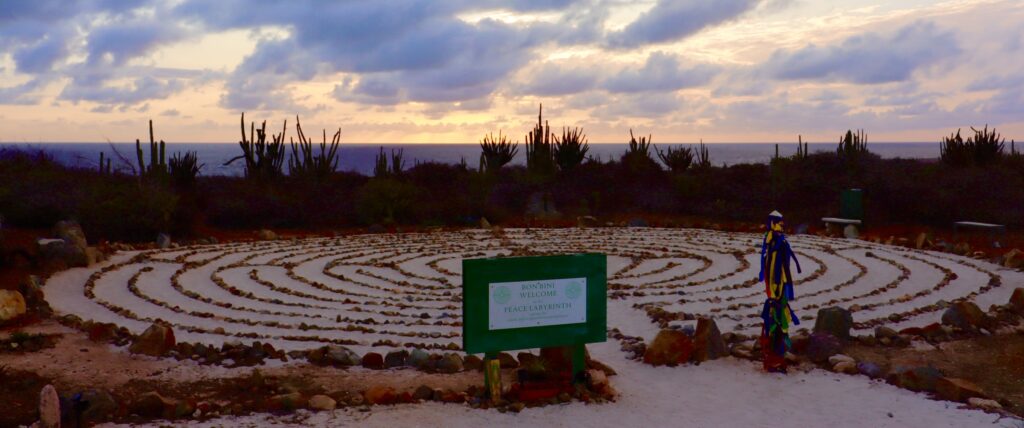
(534, 302)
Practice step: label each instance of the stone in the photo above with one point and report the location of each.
(49, 408)
(985, 404)
(423, 393)
(473, 362)
(450, 363)
(380, 395)
(840, 358)
(507, 361)
(396, 358)
(289, 401)
(155, 341)
(93, 255)
(869, 369)
(670, 347)
(883, 332)
(850, 232)
(956, 389)
(1017, 300)
(847, 367)
(322, 402)
(918, 379)
(484, 224)
(418, 358)
(32, 292)
(835, 321)
(102, 332)
(163, 241)
(933, 331)
(152, 405)
(72, 253)
(12, 305)
(821, 346)
(100, 405)
(707, 341)
(373, 360)
(266, 235)
(340, 356)
(1013, 259)
(922, 238)
(598, 381)
(966, 315)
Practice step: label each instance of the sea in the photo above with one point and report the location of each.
(360, 158)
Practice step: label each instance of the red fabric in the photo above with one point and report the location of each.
(772, 361)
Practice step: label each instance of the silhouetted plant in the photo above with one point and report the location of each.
(570, 151)
(677, 159)
(105, 169)
(954, 151)
(539, 159)
(304, 164)
(802, 151)
(638, 155)
(263, 159)
(184, 169)
(988, 146)
(703, 157)
(496, 152)
(852, 145)
(157, 168)
(381, 169)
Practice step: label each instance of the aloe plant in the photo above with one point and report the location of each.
(496, 152)
(988, 146)
(570, 151)
(183, 169)
(703, 157)
(677, 159)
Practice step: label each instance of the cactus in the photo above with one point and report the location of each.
(852, 145)
(703, 158)
(496, 152)
(539, 160)
(983, 148)
(157, 167)
(988, 146)
(677, 159)
(304, 164)
(263, 159)
(571, 149)
(802, 151)
(380, 168)
(105, 168)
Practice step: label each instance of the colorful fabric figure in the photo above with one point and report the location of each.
(778, 280)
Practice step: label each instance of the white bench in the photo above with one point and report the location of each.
(844, 222)
(992, 228)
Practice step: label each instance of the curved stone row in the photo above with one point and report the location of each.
(404, 290)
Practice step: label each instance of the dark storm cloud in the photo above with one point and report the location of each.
(672, 20)
(868, 58)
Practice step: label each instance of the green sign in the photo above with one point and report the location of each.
(533, 302)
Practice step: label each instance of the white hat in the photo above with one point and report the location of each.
(775, 214)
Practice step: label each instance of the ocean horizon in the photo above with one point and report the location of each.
(359, 157)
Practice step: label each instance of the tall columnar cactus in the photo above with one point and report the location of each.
(381, 169)
(802, 151)
(105, 168)
(703, 158)
(307, 165)
(263, 159)
(852, 145)
(157, 160)
(539, 160)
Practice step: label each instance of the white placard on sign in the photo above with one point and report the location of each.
(537, 303)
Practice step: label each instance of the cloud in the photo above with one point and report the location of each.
(117, 42)
(553, 79)
(23, 94)
(869, 58)
(139, 90)
(171, 113)
(672, 20)
(663, 73)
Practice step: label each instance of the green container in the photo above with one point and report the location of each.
(851, 204)
(537, 302)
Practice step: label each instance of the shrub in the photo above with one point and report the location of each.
(677, 159)
(385, 200)
(496, 152)
(570, 151)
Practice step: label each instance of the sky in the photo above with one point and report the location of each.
(452, 71)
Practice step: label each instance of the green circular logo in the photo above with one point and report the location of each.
(573, 290)
(501, 295)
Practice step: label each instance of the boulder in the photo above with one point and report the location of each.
(418, 358)
(380, 395)
(835, 321)
(155, 341)
(266, 235)
(670, 347)
(850, 232)
(922, 238)
(32, 292)
(484, 224)
(956, 389)
(322, 402)
(93, 255)
(1013, 259)
(984, 403)
(918, 379)
(73, 252)
(373, 360)
(49, 408)
(707, 341)
(152, 405)
(102, 332)
(821, 346)
(473, 362)
(340, 356)
(450, 363)
(507, 361)
(598, 381)
(840, 358)
(1017, 300)
(396, 358)
(847, 367)
(163, 241)
(966, 315)
(12, 305)
(99, 405)
(869, 369)
(883, 332)
(289, 401)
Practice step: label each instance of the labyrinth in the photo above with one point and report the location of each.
(379, 292)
